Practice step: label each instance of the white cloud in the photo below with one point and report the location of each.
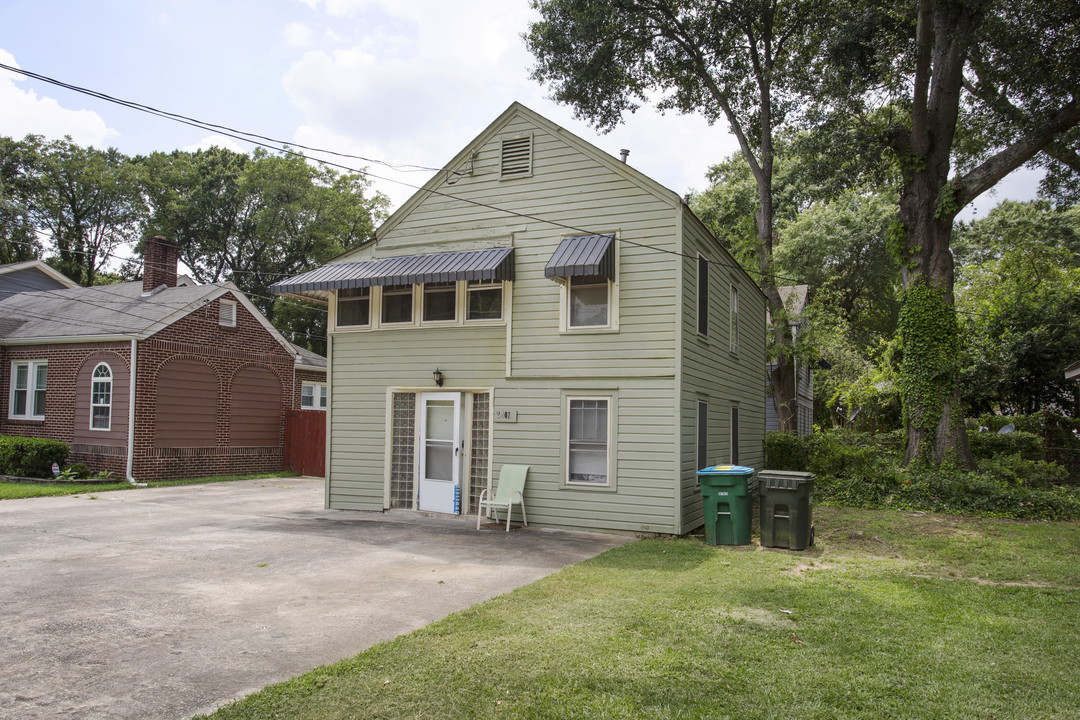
(297, 34)
(220, 141)
(24, 111)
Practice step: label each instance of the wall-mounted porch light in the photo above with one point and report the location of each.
(438, 377)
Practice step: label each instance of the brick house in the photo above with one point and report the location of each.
(213, 378)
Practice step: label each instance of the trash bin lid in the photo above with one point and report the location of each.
(726, 470)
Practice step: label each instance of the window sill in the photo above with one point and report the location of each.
(587, 487)
(590, 331)
(24, 420)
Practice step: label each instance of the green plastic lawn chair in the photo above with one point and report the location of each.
(509, 491)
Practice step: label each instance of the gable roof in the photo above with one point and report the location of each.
(41, 267)
(110, 312)
(516, 109)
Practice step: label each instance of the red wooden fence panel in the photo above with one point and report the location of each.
(305, 442)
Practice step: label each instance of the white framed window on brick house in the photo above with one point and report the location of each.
(702, 295)
(227, 313)
(734, 319)
(28, 382)
(484, 301)
(313, 396)
(440, 302)
(354, 307)
(397, 304)
(101, 385)
(588, 431)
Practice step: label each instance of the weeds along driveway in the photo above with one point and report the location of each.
(167, 602)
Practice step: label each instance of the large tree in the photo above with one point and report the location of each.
(740, 61)
(254, 219)
(19, 182)
(963, 92)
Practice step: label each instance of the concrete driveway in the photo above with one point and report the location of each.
(168, 602)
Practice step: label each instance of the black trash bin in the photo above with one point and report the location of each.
(786, 507)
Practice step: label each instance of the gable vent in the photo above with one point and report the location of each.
(227, 313)
(516, 157)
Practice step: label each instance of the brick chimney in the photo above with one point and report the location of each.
(159, 263)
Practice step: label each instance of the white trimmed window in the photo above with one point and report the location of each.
(440, 302)
(397, 304)
(313, 396)
(354, 307)
(227, 313)
(734, 319)
(101, 384)
(484, 300)
(28, 381)
(588, 438)
(589, 302)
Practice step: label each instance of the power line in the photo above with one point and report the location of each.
(257, 139)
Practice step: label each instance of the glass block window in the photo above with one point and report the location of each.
(481, 454)
(402, 449)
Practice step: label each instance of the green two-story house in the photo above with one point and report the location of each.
(540, 302)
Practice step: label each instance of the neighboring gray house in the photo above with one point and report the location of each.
(795, 298)
(540, 302)
(31, 276)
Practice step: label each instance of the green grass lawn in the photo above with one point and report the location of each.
(890, 615)
(10, 490)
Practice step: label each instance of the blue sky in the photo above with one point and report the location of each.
(405, 81)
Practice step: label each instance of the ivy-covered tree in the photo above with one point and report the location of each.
(745, 62)
(962, 92)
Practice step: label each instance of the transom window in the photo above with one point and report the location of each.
(590, 301)
(313, 396)
(440, 302)
(28, 381)
(397, 303)
(101, 397)
(588, 437)
(484, 300)
(354, 307)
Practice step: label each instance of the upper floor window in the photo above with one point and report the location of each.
(313, 396)
(354, 307)
(101, 383)
(227, 313)
(589, 300)
(397, 304)
(702, 295)
(440, 302)
(28, 381)
(734, 319)
(484, 300)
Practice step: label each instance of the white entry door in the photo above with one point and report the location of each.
(441, 445)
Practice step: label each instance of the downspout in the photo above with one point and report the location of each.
(131, 414)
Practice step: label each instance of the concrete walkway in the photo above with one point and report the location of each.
(169, 602)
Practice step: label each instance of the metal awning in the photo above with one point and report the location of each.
(491, 264)
(583, 255)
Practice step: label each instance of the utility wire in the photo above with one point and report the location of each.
(260, 140)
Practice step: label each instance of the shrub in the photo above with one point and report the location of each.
(79, 469)
(990, 445)
(30, 457)
(949, 488)
(1017, 470)
(786, 451)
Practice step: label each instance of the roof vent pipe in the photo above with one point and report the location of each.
(623, 154)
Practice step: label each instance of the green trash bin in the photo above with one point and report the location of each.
(787, 500)
(726, 492)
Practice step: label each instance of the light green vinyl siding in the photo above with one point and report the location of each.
(635, 365)
(711, 372)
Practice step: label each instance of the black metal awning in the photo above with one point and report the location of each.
(583, 255)
(491, 264)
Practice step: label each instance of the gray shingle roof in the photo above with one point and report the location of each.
(95, 311)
